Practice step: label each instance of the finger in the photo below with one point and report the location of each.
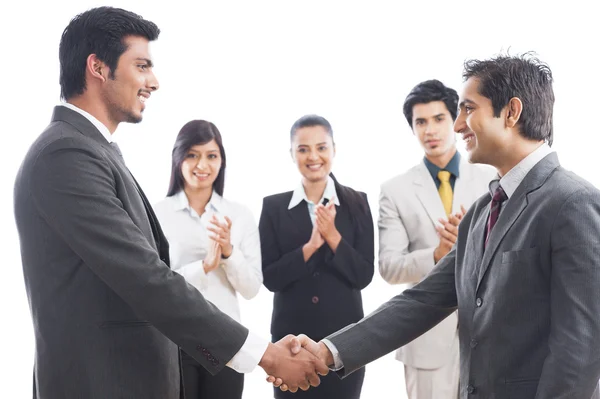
(453, 219)
(295, 345)
(463, 209)
(445, 233)
(451, 228)
(314, 380)
(271, 379)
(278, 382)
(284, 388)
(304, 385)
(293, 388)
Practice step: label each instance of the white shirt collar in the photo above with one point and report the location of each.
(181, 201)
(329, 193)
(511, 180)
(99, 125)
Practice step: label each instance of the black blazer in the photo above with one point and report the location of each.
(322, 295)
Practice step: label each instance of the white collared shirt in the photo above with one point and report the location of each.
(513, 178)
(242, 272)
(99, 125)
(299, 194)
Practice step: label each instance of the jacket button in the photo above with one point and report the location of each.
(471, 389)
(473, 343)
(479, 302)
(315, 299)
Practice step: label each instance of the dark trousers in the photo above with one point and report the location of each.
(200, 384)
(331, 387)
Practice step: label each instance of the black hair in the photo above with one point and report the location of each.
(429, 91)
(196, 132)
(524, 76)
(99, 31)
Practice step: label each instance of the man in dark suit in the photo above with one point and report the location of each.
(108, 312)
(525, 270)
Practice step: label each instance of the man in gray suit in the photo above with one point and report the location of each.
(525, 270)
(108, 312)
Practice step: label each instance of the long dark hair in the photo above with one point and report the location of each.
(355, 202)
(193, 133)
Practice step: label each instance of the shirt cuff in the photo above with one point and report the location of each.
(194, 274)
(249, 354)
(337, 360)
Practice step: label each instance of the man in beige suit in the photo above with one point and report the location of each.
(418, 223)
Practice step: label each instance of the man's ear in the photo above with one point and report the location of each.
(96, 68)
(513, 112)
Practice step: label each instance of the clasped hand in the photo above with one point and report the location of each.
(296, 351)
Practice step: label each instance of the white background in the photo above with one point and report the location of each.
(253, 68)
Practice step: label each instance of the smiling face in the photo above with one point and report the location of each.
(485, 135)
(433, 126)
(313, 152)
(129, 86)
(201, 166)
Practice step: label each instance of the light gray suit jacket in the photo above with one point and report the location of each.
(528, 306)
(409, 208)
(108, 312)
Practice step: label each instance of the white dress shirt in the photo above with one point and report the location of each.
(299, 194)
(99, 125)
(509, 182)
(188, 239)
(242, 272)
(513, 178)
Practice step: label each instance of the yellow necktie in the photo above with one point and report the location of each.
(445, 190)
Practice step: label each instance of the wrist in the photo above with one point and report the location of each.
(325, 355)
(268, 360)
(226, 252)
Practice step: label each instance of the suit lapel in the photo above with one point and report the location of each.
(428, 195)
(301, 218)
(513, 208)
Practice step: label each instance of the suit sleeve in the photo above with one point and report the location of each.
(398, 265)
(572, 368)
(279, 269)
(74, 190)
(400, 320)
(355, 262)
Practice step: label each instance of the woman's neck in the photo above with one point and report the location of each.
(314, 189)
(198, 198)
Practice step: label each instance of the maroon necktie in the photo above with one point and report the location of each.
(497, 200)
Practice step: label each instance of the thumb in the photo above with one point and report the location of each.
(295, 345)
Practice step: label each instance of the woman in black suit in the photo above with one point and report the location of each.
(317, 252)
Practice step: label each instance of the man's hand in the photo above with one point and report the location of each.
(447, 233)
(296, 370)
(295, 345)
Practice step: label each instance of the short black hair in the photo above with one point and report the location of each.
(99, 31)
(429, 91)
(524, 76)
(196, 132)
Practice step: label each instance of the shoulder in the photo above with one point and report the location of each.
(276, 199)
(235, 209)
(399, 181)
(571, 187)
(163, 206)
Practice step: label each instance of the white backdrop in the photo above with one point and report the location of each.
(253, 68)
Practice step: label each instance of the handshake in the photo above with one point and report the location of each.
(296, 362)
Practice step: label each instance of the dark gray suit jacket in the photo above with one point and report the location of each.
(528, 306)
(107, 310)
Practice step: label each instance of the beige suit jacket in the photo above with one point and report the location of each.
(409, 208)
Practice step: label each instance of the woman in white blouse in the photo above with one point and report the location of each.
(214, 243)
